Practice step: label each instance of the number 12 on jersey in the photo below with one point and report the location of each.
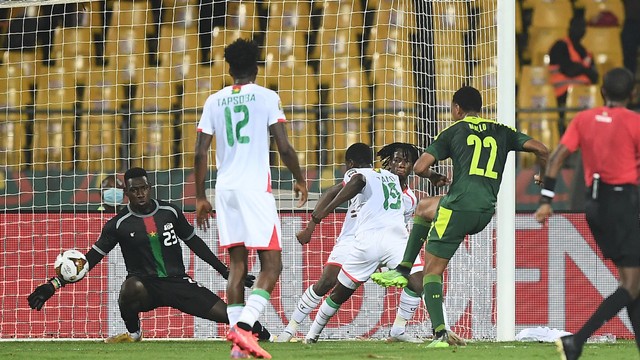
(233, 136)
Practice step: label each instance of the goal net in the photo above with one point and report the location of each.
(89, 89)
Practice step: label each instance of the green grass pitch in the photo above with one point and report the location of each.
(330, 350)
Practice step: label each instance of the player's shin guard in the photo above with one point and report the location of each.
(254, 307)
(409, 302)
(307, 303)
(433, 300)
(417, 237)
(325, 313)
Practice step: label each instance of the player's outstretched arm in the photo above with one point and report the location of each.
(422, 168)
(290, 159)
(44, 292)
(200, 248)
(203, 207)
(304, 235)
(350, 189)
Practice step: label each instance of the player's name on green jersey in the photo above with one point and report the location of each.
(236, 99)
(478, 127)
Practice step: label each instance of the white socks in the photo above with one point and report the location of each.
(233, 313)
(254, 307)
(409, 302)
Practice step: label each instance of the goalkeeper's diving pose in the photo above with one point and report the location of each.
(148, 231)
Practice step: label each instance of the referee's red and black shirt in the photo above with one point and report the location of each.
(609, 138)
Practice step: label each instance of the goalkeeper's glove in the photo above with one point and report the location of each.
(248, 280)
(44, 292)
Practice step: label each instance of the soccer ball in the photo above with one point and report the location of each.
(71, 266)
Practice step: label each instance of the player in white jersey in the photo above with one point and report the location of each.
(380, 232)
(241, 117)
(311, 298)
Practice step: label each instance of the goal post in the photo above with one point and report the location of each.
(506, 207)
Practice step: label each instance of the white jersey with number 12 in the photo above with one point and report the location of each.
(239, 116)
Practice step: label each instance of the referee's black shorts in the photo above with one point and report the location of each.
(181, 293)
(613, 220)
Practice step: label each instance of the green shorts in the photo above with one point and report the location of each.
(449, 228)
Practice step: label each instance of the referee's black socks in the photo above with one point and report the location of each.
(607, 309)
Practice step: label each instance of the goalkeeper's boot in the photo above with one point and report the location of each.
(122, 338)
(237, 353)
(568, 348)
(404, 337)
(398, 277)
(441, 340)
(455, 339)
(247, 341)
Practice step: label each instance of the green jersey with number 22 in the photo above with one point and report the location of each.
(478, 149)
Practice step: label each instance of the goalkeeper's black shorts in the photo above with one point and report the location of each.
(613, 220)
(181, 293)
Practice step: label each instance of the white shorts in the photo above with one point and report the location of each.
(248, 218)
(372, 250)
(344, 245)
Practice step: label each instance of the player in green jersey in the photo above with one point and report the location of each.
(478, 149)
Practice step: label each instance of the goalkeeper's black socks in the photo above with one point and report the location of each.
(263, 333)
(608, 309)
(132, 325)
(244, 326)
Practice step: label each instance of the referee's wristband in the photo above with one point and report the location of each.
(315, 220)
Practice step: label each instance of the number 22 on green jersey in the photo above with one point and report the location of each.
(479, 145)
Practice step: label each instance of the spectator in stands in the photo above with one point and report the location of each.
(570, 63)
(112, 194)
(631, 34)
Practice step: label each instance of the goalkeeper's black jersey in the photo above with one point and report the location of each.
(149, 243)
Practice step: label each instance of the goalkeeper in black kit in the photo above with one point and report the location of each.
(148, 231)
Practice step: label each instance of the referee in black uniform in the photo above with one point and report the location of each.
(148, 231)
(609, 137)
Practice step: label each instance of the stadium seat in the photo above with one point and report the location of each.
(486, 81)
(534, 76)
(54, 119)
(605, 45)
(201, 82)
(13, 96)
(390, 128)
(100, 136)
(130, 14)
(24, 63)
(381, 64)
(582, 97)
(73, 50)
(540, 42)
(180, 13)
(282, 44)
(541, 124)
(450, 16)
(241, 15)
(155, 98)
(552, 14)
(178, 50)
(345, 14)
(393, 42)
(298, 90)
(450, 76)
(593, 7)
(396, 95)
(336, 43)
(127, 52)
(333, 68)
(349, 101)
(448, 45)
(289, 16)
